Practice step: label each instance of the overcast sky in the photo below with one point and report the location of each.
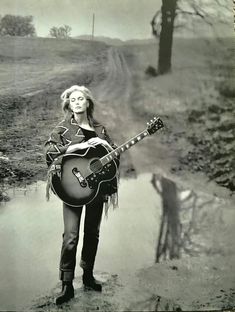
(124, 19)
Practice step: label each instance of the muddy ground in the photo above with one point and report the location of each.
(201, 280)
(196, 147)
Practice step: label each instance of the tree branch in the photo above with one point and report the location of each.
(155, 23)
(194, 12)
(225, 6)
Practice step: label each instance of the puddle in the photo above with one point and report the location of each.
(31, 235)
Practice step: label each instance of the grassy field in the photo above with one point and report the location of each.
(197, 100)
(35, 71)
(196, 103)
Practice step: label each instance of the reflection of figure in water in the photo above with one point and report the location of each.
(77, 131)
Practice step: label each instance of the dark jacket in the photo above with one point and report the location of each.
(69, 132)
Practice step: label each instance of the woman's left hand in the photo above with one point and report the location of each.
(96, 141)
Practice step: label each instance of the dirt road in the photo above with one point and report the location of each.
(117, 86)
(114, 95)
(124, 105)
(115, 91)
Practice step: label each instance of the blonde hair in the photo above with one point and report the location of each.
(88, 95)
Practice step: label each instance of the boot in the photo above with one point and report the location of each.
(90, 282)
(66, 294)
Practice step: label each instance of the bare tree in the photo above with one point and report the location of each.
(67, 31)
(168, 13)
(54, 32)
(61, 32)
(176, 14)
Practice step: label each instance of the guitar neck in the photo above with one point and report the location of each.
(124, 147)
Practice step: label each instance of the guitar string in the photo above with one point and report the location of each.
(96, 165)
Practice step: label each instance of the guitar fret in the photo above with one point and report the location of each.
(106, 159)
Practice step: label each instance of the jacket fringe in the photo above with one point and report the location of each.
(111, 200)
(48, 186)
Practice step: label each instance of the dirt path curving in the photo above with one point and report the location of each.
(117, 86)
(114, 92)
(114, 95)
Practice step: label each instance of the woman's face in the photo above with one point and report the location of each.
(78, 102)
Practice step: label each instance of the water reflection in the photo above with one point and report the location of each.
(31, 235)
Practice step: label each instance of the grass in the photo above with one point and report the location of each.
(35, 71)
(195, 104)
(31, 64)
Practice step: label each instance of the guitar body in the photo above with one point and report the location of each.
(81, 176)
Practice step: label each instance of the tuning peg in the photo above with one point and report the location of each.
(155, 118)
(151, 120)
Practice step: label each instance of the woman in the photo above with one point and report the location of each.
(79, 130)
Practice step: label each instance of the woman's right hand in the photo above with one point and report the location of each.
(78, 146)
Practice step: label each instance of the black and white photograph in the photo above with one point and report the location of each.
(117, 155)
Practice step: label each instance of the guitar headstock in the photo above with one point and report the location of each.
(154, 125)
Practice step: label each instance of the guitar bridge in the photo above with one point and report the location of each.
(79, 176)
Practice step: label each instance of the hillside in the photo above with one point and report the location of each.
(35, 73)
(195, 149)
(37, 70)
(116, 41)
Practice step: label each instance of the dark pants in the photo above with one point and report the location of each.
(72, 217)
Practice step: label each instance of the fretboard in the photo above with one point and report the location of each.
(124, 147)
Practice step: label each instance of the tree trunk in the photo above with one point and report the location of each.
(166, 36)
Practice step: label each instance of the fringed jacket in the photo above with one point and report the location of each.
(69, 132)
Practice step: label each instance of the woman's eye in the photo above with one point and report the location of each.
(72, 100)
(80, 98)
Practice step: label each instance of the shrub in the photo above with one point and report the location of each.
(151, 71)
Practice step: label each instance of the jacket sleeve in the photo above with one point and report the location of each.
(54, 146)
(108, 139)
